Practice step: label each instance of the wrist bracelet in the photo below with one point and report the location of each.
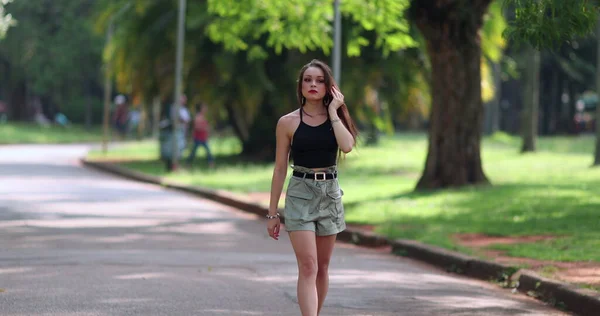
(335, 120)
(272, 216)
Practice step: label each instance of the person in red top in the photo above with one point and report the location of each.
(200, 135)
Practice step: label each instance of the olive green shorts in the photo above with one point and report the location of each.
(314, 205)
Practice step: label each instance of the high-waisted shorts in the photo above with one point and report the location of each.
(314, 205)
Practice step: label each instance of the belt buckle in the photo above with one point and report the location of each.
(317, 174)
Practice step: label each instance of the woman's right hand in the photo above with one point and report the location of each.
(273, 227)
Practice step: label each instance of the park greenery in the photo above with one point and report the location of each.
(406, 64)
(24, 133)
(549, 193)
(483, 78)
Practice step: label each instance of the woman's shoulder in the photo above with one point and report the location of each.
(290, 118)
(289, 122)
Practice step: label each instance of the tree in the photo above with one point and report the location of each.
(245, 54)
(531, 101)
(59, 74)
(276, 32)
(451, 30)
(546, 23)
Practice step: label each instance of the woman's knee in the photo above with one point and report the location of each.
(308, 266)
(323, 268)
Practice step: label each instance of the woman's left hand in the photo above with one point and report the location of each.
(338, 99)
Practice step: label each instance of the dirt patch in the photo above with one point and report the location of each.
(587, 273)
(481, 240)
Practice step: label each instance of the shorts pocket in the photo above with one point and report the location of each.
(337, 209)
(297, 203)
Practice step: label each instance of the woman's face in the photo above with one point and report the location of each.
(313, 84)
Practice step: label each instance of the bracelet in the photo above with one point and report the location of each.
(335, 120)
(272, 216)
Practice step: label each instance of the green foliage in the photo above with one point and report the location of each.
(492, 41)
(306, 25)
(141, 50)
(241, 55)
(548, 23)
(53, 49)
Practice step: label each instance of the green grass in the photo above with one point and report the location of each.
(551, 192)
(28, 133)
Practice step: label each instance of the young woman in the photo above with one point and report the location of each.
(314, 135)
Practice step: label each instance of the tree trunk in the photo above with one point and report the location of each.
(455, 126)
(88, 105)
(260, 144)
(155, 116)
(495, 105)
(531, 102)
(597, 118)
(492, 108)
(554, 104)
(236, 120)
(143, 120)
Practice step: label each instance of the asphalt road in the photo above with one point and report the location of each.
(78, 242)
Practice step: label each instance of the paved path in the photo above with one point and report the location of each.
(78, 242)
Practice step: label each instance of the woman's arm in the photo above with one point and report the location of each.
(342, 135)
(282, 151)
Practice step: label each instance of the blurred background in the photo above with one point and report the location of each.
(242, 58)
(446, 96)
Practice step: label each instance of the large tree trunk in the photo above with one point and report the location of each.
(451, 32)
(531, 102)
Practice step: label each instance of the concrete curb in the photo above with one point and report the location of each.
(558, 294)
(561, 295)
(221, 196)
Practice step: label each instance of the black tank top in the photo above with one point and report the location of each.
(314, 146)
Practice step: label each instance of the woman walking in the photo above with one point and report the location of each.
(314, 135)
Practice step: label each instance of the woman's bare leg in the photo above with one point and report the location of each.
(305, 248)
(324, 250)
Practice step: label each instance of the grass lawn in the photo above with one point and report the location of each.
(28, 133)
(552, 192)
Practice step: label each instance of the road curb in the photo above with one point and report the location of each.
(221, 196)
(561, 295)
(558, 294)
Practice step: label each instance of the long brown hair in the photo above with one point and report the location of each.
(342, 111)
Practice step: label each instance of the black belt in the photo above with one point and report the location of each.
(318, 176)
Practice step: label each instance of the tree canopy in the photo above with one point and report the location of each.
(52, 54)
(549, 23)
